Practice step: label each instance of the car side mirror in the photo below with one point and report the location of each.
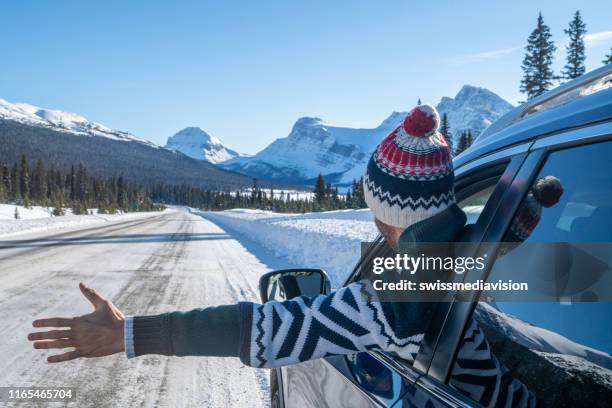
(290, 283)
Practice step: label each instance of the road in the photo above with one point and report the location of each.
(171, 261)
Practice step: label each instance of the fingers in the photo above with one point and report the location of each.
(50, 335)
(91, 295)
(58, 358)
(53, 322)
(61, 343)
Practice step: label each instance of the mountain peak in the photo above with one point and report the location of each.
(468, 92)
(473, 108)
(194, 133)
(196, 143)
(307, 121)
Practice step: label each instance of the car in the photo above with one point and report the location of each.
(559, 350)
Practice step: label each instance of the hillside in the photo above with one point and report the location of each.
(139, 162)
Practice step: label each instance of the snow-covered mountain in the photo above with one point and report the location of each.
(472, 108)
(341, 153)
(196, 143)
(314, 147)
(67, 122)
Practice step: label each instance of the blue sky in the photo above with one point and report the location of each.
(245, 71)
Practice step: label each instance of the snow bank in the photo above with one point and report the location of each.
(7, 212)
(328, 240)
(40, 219)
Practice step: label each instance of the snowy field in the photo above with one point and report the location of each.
(328, 240)
(36, 219)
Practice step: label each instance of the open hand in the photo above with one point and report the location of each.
(96, 334)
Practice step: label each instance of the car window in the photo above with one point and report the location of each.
(473, 205)
(474, 189)
(559, 350)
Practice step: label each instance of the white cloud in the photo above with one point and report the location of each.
(596, 39)
(483, 56)
(591, 40)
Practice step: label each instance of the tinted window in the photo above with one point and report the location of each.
(473, 205)
(559, 351)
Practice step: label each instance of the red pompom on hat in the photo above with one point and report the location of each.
(422, 121)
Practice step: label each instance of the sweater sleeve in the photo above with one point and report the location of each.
(277, 334)
(211, 331)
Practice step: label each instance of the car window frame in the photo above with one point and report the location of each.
(498, 167)
(449, 319)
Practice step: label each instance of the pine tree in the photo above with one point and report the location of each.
(469, 139)
(575, 57)
(319, 190)
(121, 194)
(419, 102)
(6, 180)
(58, 210)
(462, 144)
(538, 75)
(445, 131)
(39, 187)
(24, 181)
(358, 194)
(254, 189)
(71, 183)
(15, 191)
(608, 59)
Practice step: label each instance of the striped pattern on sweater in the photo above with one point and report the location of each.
(303, 329)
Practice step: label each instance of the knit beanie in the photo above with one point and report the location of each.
(410, 175)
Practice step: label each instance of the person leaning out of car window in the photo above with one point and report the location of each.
(408, 186)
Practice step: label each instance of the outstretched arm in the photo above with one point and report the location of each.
(266, 335)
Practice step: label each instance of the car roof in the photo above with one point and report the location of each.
(579, 102)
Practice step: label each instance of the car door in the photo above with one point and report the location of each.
(359, 380)
(559, 351)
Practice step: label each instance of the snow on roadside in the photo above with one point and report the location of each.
(7, 212)
(328, 240)
(39, 219)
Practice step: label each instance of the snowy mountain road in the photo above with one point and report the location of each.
(171, 261)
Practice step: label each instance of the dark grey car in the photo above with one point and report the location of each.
(560, 351)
